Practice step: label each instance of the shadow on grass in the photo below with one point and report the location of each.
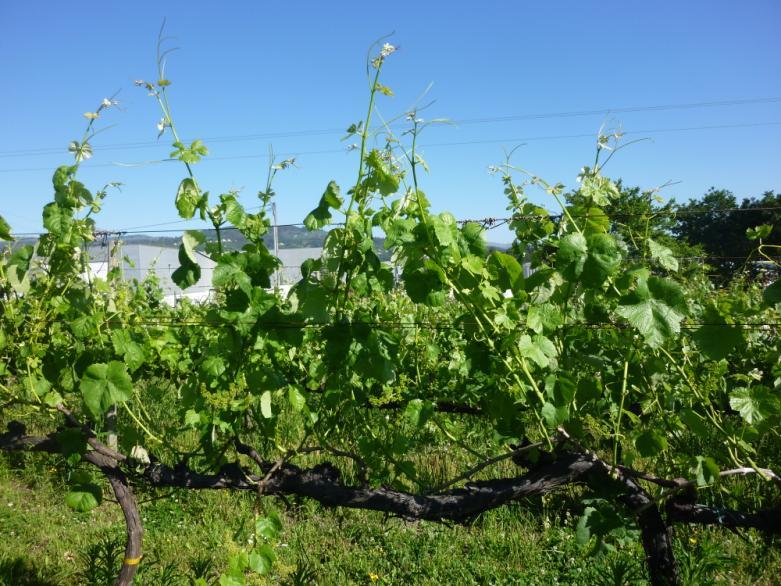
(20, 571)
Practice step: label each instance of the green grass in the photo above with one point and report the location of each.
(191, 534)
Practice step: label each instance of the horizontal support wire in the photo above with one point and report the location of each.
(487, 222)
(175, 322)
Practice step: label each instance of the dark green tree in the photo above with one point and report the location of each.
(638, 216)
(717, 223)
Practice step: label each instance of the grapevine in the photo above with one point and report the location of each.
(583, 357)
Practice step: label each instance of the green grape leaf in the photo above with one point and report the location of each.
(572, 255)
(650, 443)
(705, 470)
(105, 385)
(213, 366)
(772, 294)
(191, 154)
(186, 275)
(234, 211)
(506, 271)
(599, 189)
(84, 497)
(603, 261)
(269, 527)
(444, 227)
(716, 341)
(56, 219)
(544, 317)
(52, 398)
(598, 522)
(237, 564)
(663, 255)
(265, 405)
(321, 215)
(296, 398)
(561, 389)
(597, 221)
(124, 345)
(233, 579)
(83, 494)
(188, 198)
(424, 286)
(5, 230)
(656, 308)
(191, 239)
(418, 412)
(759, 232)
(754, 403)
(21, 258)
(229, 272)
(73, 443)
(380, 176)
(588, 389)
(62, 175)
(583, 529)
(332, 196)
(473, 264)
(21, 286)
(554, 415)
(317, 218)
(260, 562)
(538, 349)
(189, 271)
(192, 418)
(313, 301)
(694, 422)
(474, 235)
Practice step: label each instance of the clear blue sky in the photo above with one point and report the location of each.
(248, 68)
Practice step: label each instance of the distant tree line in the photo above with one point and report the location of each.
(722, 234)
(709, 233)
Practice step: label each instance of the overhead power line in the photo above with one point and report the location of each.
(515, 140)
(462, 122)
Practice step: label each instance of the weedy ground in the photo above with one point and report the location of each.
(191, 534)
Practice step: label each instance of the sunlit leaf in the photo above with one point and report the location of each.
(105, 385)
(656, 308)
(754, 403)
(5, 230)
(663, 255)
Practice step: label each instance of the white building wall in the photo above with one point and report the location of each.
(141, 260)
